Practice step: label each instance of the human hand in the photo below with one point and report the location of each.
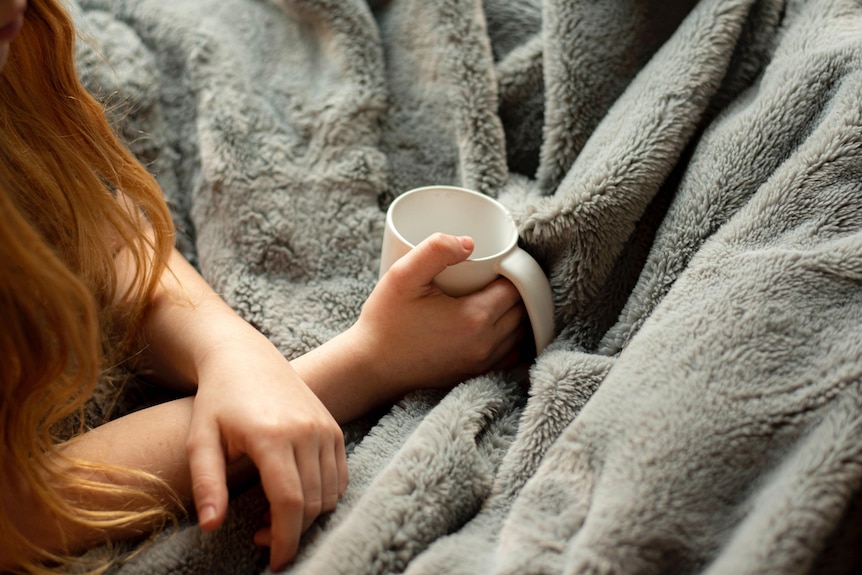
(417, 336)
(250, 403)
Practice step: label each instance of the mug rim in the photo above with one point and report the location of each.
(509, 246)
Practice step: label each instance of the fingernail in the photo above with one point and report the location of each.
(206, 514)
(466, 242)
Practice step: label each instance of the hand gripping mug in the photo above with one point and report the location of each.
(419, 213)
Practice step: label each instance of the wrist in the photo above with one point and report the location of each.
(230, 339)
(189, 336)
(347, 375)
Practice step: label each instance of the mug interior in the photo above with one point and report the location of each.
(420, 213)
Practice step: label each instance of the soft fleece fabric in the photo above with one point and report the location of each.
(689, 174)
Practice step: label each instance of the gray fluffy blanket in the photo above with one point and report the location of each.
(689, 174)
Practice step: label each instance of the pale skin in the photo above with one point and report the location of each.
(248, 408)
(253, 407)
(286, 423)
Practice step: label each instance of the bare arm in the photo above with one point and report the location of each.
(252, 406)
(117, 443)
(410, 335)
(251, 402)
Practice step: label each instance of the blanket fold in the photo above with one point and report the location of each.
(688, 174)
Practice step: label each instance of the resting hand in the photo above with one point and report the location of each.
(251, 403)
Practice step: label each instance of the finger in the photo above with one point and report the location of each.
(263, 537)
(207, 468)
(341, 465)
(511, 320)
(511, 360)
(311, 476)
(283, 488)
(501, 295)
(329, 477)
(432, 256)
(509, 353)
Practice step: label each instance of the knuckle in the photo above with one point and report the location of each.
(305, 427)
(478, 319)
(195, 443)
(287, 499)
(311, 427)
(399, 271)
(272, 430)
(437, 239)
(329, 502)
(438, 243)
(204, 484)
(313, 506)
(337, 435)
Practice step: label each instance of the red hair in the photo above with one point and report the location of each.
(71, 197)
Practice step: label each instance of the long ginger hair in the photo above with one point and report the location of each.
(71, 197)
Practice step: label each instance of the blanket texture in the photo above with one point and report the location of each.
(689, 174)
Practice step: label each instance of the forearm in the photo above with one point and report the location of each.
(374, 362)
(151, 440)
(344, 378)
(189, 322)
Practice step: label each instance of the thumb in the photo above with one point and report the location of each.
(421, 264)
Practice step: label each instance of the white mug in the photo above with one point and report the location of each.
(419, 213)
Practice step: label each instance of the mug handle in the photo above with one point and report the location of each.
(524, 272)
